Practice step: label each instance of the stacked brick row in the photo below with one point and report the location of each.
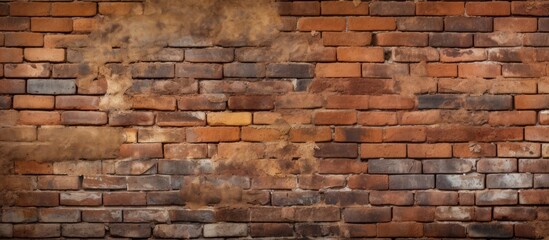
(413, 119)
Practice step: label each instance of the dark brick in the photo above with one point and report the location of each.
(251, 102)
(489, 102)
(83, 230)
(36, 230)
(180, 119)
(490, 230)
(509, 180)
(346, 198)
(164, 198)
(153, 70)
(448, 165)
(39, 199)
(70, 70)
(245, 70)
(367, 214)
(5, 102)
(177, 231)
(543, 24)
(392, 9)
(496, 197)
(145, 183)
(411, 181)
(393, 166)
(317, 214)
(130, 230)
(295, 198)
(461, 40)
(460, 182)
(536, 39)
(300, 8)
(205, 216)
(445, 230)
(391, 198)
(420, 24)
(14, 23)
(271, 230)
(468, 24)
(51, 86)
(290, 70)
(440, 101)
(334, 150)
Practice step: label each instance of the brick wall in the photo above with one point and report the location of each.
(381, 119)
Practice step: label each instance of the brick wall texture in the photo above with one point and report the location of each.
(355, 119)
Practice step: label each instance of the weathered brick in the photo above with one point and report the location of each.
(510, 180)
(83, 118)
(180, 119)
(245, 70)
(372, 23)
(124, 199)
(102, 216)
(461, 55)
(208, 55)
(444, 230)
(161, 135)
(524, 70)
(399, 198)
(141, 150)
(84, 230)
(384, 70)
(185, 151)
(411, 181)
(370, 182)
(533, 197)
(405, 39)
(154, 103)
(131, 118)
(420, 24)
(489, 230)
(512, 118)
(334, 150)
(415, 55)
(392, 8)
(202, 102)
(346, 198)
(33, 167)
(396, 150)
(130, 230)
(251, 102)
(177, 231)
(27, 70)
(44, 54)
(65, 41)
(440, 8)
(225, 230)
(199, 70)
(456, 182)
(293, 70)
(153, 70)
(77, 102)
(59, 215)
(441, 150)
(39, 118)
(533, 165)
(217, 134)
(36, 230)
(73, 168)
(108, 8)
(526, 8)
(58, 182)
(514, 213)
(495, 165)
(321, 24)
(519, 149)
(515, 24)
(436, 198)
(306, 134)
(448, 165)
(300, 8)
(315, 182)
(80, 199)
(367, 215)
(541, 180)
(496, 197)
(489, 102)
(51, 86)
(357, 135)
(404, 134)
(498, 39)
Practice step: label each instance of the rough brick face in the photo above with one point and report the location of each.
(297, 119)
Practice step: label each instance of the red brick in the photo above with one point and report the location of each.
(419, 117)
(29, 9)
(335, 118)
(369, 182)
(367, 214)
(479, 134)
(479, 70)
(308, 134)
(515, 24)
(463, 55)
(519, 149)
(181, 119)
(51, 25)
(377, 118)
(271, 230)
(514, 118)
(202, 102)
(141, 150)
(131, 118)
(440, 8)
(378, 70)
(78, 9)
(39, 118)
(468, 24)
(400, 230)
(321, 24)
(23, 39)
(39, 199)
(108, 8)
(359, 54)
(404, 134)
(32, 102)
(213, 134)
(37, 230)
(416, 214)
(346, 38)
(383, 150)
(80, 199)
(251, 102)
(513, 86)
(254, 134)
(14, 182)
(124, 199)
(444, 230)
(338, 70)
(33, 167)
(488, 8)
(436, 198)
(534, 197)
(391, 102)
(392, 8)
(341, 166)
(11, 55)
(298, 8)
(402, 39)
(83, 118)
(372, 23)
(343, 8)
(391, 198)
(77, 102)
(153, 103)
(531, 101)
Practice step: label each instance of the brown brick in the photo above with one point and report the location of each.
(429, 150)
(509, 180)
(77, 102)
(335, 118)
(524, 70)
(515, 24)
(377, 118)
(402, 39)
(24, 39)
(444, 230)
(533, 165)
(343, 8)
(39, 118)
(341, 166)
(29, 9)
(37, 230)
(245, 70)
(358, 54)
(130, 230)
(369, 182)
(202, 102)
(420, 24)
(65, 41)
(529, 8)
(298, 100)
(44, 55)
(84, 25)
(409, 182)
(474, 150)
(79, 9)
(153, 70)
(124, 199)
(357, 134)
(468, 24)
(58, 182)
(141, 150)
(436, 198)
(51, 25)
(415, 55)
(209, 55)
(335, 150)
(512, 118)
(11, 55)
(255, 134)
(14, 23)
(292, 70)
(404, 134)
(185, 151)
(440, 8)
(321, 24)
(534, 197)
(338, 70)
(180, 119)
(27, 70)
(496, 197)
(32, 102)
(104, 182)
(520, 149)
(372, 23)
(108, 8)
(489, 230)
(347, 38)
(383, 150)
(83, 118)
(392, 198)
(498, 39)
(39, 199)
(531, 101)
(153, 103)
(298, 8)
(416, 214)
(391, 102)
(400, 230)
(462, 55)
(367, 214)
(479, 70)
(488, 8)
(492, 165)
(306, 134)
(199, 70)
(19, 215)
(392, 8)
(316, 182)
(294, 198)
(33, 167)
(213, 134)
(131, 118)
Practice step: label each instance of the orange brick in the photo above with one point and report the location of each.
(335, 118)
(33, 167)
(24, 39)
(402, 39)
(420, 117)
(229, 118)
(29, 9)
(343, 8)
(513, 24)
(440, 8)
(392, 102)
(74, 9)
(260, 134)
(338, 70)
(321, 24)
(51, 24)
(77, 102)
(154, 103)
(441, 70)
(439, 150)
(395, 150)
(372, 23)
(404, 134)
(360, 54)
(33, 102)
(347, 102)
(84, 25)
(44, 55)
(11, 55)
(310, 134)
(346, 38)
(532, 101)
(512, 118)
(39, 118)
(377, 118)
(479, 70)
(121, 8)
(488, 8)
